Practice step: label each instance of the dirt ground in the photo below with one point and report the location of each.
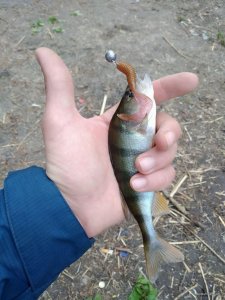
(156, 36)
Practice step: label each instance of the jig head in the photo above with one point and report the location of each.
(123, 67)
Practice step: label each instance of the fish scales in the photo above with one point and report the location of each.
(126, 142)
(131, 133)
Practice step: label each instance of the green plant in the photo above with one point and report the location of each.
(58, 29)
(221, 38)
(53, 20)
(54, 25)
(143, 290)
(76, 13)
(181, 19)
(37, 25)
(96, 297)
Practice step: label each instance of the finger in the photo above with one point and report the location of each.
(166, 88)
(58, 83)
(168, 131)
(107, 116)
(174, 86)
(154, 160)
(153, 182)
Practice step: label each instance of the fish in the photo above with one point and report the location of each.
(131, 132)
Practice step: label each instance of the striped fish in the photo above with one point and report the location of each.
(131, 133)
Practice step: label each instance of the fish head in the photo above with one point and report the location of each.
(137, 108)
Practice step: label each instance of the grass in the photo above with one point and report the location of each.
(221, 38)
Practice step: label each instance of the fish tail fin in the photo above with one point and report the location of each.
(159, 251)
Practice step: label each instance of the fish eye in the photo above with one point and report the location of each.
(131, 95)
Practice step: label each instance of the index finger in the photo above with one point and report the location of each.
(166, 88)
(175, 85)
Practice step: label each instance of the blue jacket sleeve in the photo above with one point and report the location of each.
(39, 234)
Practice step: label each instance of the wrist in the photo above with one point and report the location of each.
(94, 216)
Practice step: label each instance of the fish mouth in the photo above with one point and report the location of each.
(128, 93)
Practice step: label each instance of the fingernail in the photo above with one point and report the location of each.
(170, 138)
(139, 183)
(147, 164)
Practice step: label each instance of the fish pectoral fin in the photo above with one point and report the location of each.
(136, 117)
(124, 207)
(157, 252)
(160, 205)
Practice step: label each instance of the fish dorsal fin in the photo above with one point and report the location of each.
(160, 205)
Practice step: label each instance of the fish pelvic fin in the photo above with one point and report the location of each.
(157, 252)
(160, 205)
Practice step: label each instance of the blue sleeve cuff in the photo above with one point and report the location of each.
(46, 233)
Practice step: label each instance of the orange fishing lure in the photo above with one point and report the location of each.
(130, 73)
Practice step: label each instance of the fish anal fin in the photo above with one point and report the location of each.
(158, 252)
(160, 205)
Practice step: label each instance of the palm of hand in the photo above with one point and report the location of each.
(78, 162)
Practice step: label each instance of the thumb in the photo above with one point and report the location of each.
(58, 84)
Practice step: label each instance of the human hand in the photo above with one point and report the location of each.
(77, 157)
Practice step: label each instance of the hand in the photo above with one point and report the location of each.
(77, 158)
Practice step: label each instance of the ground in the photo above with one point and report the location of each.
(158, 37)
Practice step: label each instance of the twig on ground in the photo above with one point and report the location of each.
(209, 247)
(186, 267)
(26, 136)
(20, 41)
(186, 291)
(181, 54)
(177, 205)
(178, 185)
(188, 134)
(50, 33)
(184, 242)
(68, 274)
(203, 276)
(180, 208)
(188, 218)
(221, 220)
(219, 279)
